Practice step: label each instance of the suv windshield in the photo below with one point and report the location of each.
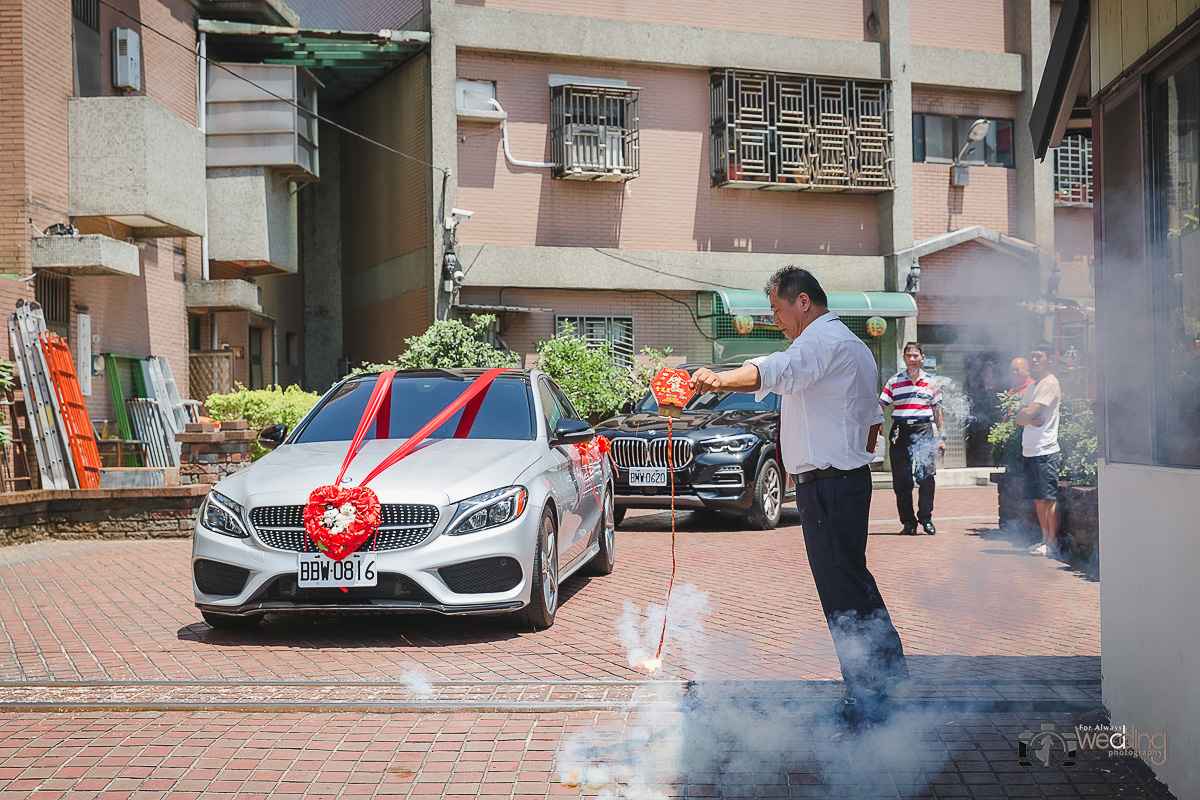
(417, 398)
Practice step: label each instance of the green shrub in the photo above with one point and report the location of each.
(645, 372)
(1076, 437)
(596, 385)
(450, 344)
(262, 408)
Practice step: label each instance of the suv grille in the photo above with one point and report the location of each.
(400, 526)
(630, 452)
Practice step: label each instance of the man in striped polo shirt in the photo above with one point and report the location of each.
(916, 416)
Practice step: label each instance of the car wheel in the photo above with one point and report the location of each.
(767, 507)
(619, 515)
(602, 563)
(226, 622)
(543, 593)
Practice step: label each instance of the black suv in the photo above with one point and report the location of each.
(723, 454)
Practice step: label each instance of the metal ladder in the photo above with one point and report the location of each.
(76, 423)
(51, 445)
(161, 384)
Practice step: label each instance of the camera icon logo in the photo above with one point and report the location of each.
(1047, 747)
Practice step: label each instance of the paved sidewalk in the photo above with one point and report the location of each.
(111, 686)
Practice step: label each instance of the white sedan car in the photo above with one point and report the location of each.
(484, 521)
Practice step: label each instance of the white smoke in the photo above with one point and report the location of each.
(640, 633)
(417, 684)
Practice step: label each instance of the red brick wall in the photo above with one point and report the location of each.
(965, 24)
(168, 70)
(973, 283)
(671, 206)
(936, 100)
(819, 19)
(659, 320)
(377, 331)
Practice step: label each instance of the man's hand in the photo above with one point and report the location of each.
(942, 447)
(705, 380)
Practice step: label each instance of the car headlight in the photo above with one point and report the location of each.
(221, 515)
(488, 510)
(728, 444)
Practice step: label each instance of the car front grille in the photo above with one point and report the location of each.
(631, 452)
(400, 526)
(391, 586)
(498, 574)
(215, 577)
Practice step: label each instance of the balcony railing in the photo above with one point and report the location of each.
(1073, 171)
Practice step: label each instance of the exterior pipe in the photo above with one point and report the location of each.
(504, 135)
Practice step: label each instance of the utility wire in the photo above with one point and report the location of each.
(444, 170)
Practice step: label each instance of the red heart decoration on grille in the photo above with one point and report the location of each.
(335, 530)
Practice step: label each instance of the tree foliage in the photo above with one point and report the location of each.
(451, 344)
(596, 384)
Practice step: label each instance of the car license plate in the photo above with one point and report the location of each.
(319, 571)
(647, 476)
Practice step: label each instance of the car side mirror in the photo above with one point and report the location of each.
(572, 431)
(272, 437)
(627, 407)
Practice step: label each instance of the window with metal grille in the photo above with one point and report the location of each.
(53, 294)
(799, 132)
(616, 332)
(1073, 170)
(594, 132)
(941, 137)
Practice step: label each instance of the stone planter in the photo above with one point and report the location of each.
(1077, 505)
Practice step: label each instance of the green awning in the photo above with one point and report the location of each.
(845, 304)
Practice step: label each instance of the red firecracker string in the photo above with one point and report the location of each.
(671, 585)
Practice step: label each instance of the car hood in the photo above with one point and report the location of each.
(439, 471)
(699, 425)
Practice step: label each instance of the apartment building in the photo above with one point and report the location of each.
(638, 170)
(1134, 69)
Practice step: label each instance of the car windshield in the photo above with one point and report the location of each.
(714, 401)
(415, 399)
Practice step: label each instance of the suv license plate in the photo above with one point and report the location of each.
(319, 571)
(647, 476)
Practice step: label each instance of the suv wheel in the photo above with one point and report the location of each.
(767, 506)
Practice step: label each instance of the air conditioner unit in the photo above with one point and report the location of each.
(127, 59)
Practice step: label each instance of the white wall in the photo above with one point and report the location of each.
(1150, 610)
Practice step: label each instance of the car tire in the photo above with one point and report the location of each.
(767, 506)
(618, 514)
(543, 591)
(226, 622)
(603, 562)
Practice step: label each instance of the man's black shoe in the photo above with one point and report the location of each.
(871, 709)
(928, 527)
(909, 530)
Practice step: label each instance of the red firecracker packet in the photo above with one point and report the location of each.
(672, 389)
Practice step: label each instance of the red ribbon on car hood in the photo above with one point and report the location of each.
(338, 531)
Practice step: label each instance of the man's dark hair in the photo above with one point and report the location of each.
(1043, 347)
(791, 282)
(914, 346)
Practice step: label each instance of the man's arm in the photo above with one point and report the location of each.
(940, 424)
(873, 438)
(743, 379)
(1031, 415)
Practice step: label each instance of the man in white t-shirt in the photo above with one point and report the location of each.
(1040, 453)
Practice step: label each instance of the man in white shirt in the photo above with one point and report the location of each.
(829, 424)
(1040, 453)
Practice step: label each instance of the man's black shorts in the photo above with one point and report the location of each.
(1041, 476)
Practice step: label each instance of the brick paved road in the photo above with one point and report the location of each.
(999, 642)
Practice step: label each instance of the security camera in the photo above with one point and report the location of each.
(458, 277)
(457, 215)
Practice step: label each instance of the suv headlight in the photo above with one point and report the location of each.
(728, 444)
(488, 510)
(221, 515)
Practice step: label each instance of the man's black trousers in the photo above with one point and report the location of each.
(913, 448)
(834, 512)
